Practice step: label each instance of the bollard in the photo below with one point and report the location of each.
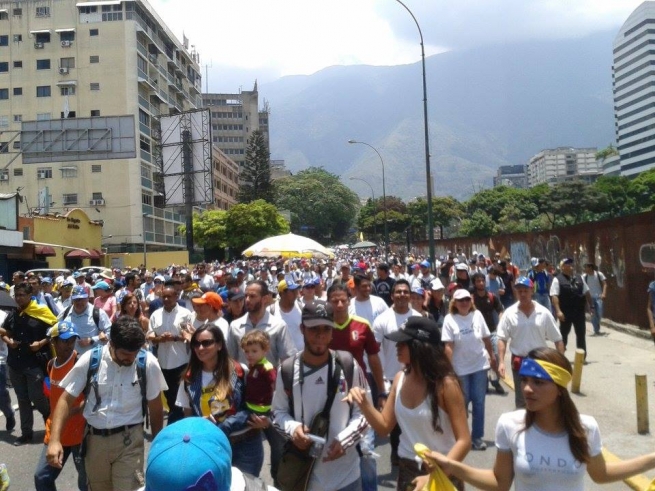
(577, 371)
(641, 390)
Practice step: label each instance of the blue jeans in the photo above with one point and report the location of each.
(45, 475)
(353, 486)
(597, 313)
(368, 466)
(543, 299)
(248, 455)
(5, 399)
(474, 386)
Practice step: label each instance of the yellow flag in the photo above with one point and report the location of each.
(438, 480)
(361, 236)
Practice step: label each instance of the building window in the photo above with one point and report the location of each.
(94, 59)
(43, 116)
(144, 144)
(18, 172)
(95, 113)
(42, 37)
(43, 11)
(88, 10)
(43, 91)
(67, 62)
(71, 114)
(96, 168)
(144, 118)
(4, 16)
(4, 40)
(17, 143)
(68, 36)
(146, 199)
(18, 64)
(95, 86)
(4, 94)
(67, 90)
(43, 64)
(93, 32)
(18, 12)
(96, 196)
(70, 199)
(4, 66)
(18, 38)
(68, 172)
(4, 121)
(44, 173)
(18, 91)
(18, 118)
(4, 175)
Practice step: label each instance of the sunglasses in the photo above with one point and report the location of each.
(205, 343)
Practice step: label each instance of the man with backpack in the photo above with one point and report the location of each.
(91, 323)
(309, 402)
(597, 284)
(122, 383)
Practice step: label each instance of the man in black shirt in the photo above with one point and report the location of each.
(384, 284)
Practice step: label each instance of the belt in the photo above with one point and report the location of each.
(246, 435)
(112, 431)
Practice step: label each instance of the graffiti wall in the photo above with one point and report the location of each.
(622, 248)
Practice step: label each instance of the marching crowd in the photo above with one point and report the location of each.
(314, 356)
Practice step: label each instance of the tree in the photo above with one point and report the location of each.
(480, 224)
(209, 229)
(642, 190)
(248, 223)
(370, 219)
(255, 176)
(321, 206)
(616, 189)
(606, 152)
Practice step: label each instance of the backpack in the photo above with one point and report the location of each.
(343, 358)
(92, 379)
(96, 314)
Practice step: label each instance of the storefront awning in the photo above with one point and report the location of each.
(68, 29)
(96, 254)
(45, 251)
(40, 31)
(97, 4)
(79, 253)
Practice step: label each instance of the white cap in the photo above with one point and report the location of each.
(436, 284)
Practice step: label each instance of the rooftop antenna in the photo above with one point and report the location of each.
(207, 66)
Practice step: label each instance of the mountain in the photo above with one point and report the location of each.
(487, 107)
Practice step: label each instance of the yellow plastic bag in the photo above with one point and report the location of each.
(438, 480)
(651, 487)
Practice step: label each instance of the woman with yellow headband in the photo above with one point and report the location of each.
(548, 446)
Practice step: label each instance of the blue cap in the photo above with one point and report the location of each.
(523, 281)
(192, 454)
(418, 290)
(62, 330)
(101, 285)
(47, 280)
(77, 274)
(79, 292)
(425, 264)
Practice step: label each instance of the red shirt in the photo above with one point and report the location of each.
(356, 337)
(74, 429)
(260, 385)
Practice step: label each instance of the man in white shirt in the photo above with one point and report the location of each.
(364, 304)
(114, 409)
(166, 326)
(597, 284)
(205, 280)
(289, 311)
(527, 325)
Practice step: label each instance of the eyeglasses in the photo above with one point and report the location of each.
(205, 343)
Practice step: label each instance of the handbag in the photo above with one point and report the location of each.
(295, 467)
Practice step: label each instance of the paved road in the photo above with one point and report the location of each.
(607, 393)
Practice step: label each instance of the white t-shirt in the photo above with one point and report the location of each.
(543, 461)
(368, 309)
(221, 323)
(594, 283)
(171, 354)
(554, 287)
(292, 319)
(387, 322)
(467, 332)
(527, 333)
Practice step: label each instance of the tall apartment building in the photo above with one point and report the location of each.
(70, 58)
(233, 118)
(511, 175)
(563, 164)
(633, 81)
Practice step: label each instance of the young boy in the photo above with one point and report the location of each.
(260, 381)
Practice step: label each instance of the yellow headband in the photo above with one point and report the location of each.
(546, 371)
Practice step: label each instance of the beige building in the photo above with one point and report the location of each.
(226, 180)
(563, 164)
(81, 59)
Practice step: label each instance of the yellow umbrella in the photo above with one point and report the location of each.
(288, 245)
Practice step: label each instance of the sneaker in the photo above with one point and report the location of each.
(499, 389)
(4, 478)
(478, 444)
(22, 440)
(394, 459)
(11, 423)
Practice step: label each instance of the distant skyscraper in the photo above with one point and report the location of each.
(563, 164)
(633, 74)
(512, 176)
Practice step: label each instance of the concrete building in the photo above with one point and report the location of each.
(84, 59)
(633, 82)
(233, 118)
(279, 170)
(563, 164)
(226, 180)
(511, 175)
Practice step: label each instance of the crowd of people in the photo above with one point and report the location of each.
(316, 357)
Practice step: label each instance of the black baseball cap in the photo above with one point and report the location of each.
(417, 327)
(317, 313)
(234, 296)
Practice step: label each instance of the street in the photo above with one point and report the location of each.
(607, 393)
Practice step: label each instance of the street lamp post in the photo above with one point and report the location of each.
(375, 230)
(143, 221)
(384, 200)
(428, 177)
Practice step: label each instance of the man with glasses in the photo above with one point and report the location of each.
(166, 331)
(91, 323)
(64, 300)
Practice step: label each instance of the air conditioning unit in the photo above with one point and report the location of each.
(38, 45)
(41, 174)
(63, 70)
(97, 202)
(4, 177)
(65, 44)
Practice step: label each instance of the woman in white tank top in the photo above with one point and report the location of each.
(425, 400)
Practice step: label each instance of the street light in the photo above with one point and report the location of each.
(375, 229)
(428, 178)
(384, 200)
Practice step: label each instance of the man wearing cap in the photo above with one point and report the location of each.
(80, 280)
(166, 331)
(236, 305)
(62, 338)
(415, 278)
(113, 410)
(437, 302)
(426, 275)
(463, 277)
(308, 292)
(383, 284)
(65, 290)
(337, 468)
(524, 326)
(570, 295)
(288, 309)
(91, 323)
(541, 281)
(208, 309)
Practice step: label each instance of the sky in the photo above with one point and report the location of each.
(243, 40)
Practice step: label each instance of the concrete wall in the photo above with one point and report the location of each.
(157, 260)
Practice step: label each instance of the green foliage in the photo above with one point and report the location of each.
(480, 224)
(249, 223)
(321, 206)
(642, 190)
(606, 152)
(255, 176)
(209, 229)
(617, 191)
